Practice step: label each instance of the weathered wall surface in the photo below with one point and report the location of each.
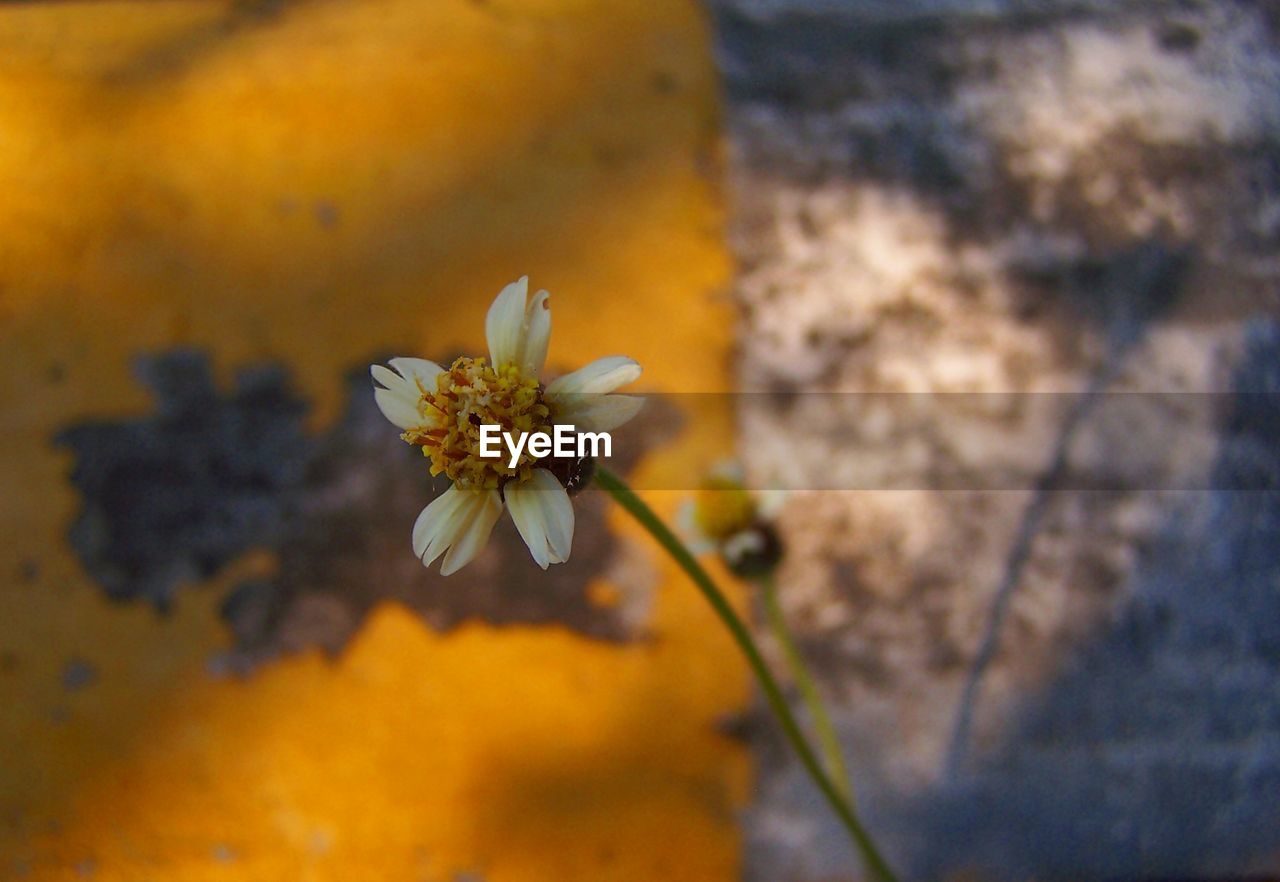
(1063, 201)
(219, 658)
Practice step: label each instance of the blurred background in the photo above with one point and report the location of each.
(219, 658)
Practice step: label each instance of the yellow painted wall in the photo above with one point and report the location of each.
(310, 182)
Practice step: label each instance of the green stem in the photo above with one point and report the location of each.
(827, 739)
(637, 508)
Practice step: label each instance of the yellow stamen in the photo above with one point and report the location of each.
(467, 396)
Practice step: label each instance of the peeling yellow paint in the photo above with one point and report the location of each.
(314, 185)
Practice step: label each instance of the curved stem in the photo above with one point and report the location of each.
(637, 508)
(822, 724)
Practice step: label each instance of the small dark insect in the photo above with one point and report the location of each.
(573, 472)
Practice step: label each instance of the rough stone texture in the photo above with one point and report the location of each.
(1048, 203)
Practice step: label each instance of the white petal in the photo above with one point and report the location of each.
(543, 514)
(518, 329)
(481, 518)
(457, 521)
(688, 530)
(402, 389)
(536, 334)
(771, 502)
(423, 371)
(398, 408)
(439, 524)
(602, 375)
(505, 321)
(528, 518)
(386, 376)
(596, 413)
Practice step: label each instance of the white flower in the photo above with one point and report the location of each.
(441, 411)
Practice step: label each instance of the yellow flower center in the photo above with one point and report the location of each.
(471, 394)
(723, 508)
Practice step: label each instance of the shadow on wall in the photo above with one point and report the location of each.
(1053, 197)
(1156, 753)
(1141, 286)
(171, 499)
